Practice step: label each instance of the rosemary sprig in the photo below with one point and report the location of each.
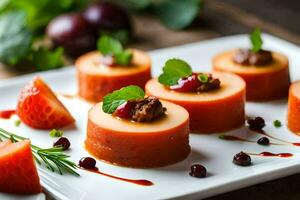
(52, 158)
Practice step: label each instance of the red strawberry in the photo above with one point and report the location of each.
(38, 107)
(18, 170)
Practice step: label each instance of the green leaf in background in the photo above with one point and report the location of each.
(15, 37)
(134, 4)
(40, 12)
(118, 97)
(177, 14)
(256, 40)
(44, 59)
(173, 70)
(109, 46)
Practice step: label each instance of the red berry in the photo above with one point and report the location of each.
(187, 84)
(242, 159)
(125, 110)
(198, 171)
(87, 163)
(62, 142)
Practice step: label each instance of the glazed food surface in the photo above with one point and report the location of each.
(139, 144)
(223, 107)
(174, 117)
(264, 83)
(230, 85)
(90, 63)
(225, 62)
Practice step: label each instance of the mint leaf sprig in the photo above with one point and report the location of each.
(118, 97)
(256, 40)
(173, 70)
(52, 158)
(109, 46)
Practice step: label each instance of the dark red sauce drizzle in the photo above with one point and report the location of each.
(236, 138)
(269, 154)
(6, 114)
(262, 132)
(137, 182)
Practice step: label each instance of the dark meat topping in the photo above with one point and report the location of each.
(247, 57)
(211, 84)
(148, 109)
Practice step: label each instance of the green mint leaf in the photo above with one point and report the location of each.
(173, 70)
(256, 40)
(15, 37)
(17, 123)
(122, 35)
(109, 46)
(277, 123)
(55, 133)
(118, 97)
(177, 14)
(44, 59)
(123, 58)
(203, 78)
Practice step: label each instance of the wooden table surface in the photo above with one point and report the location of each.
(221, 18)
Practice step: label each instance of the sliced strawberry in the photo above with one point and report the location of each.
(18, 171)
(38, 107)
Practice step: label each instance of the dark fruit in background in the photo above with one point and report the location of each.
(73, 33)
(107, 16)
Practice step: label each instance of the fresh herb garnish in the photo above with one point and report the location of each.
(256, 40)
(203, 78)
(17, 123)
(109, 46)
(56, 133)
(173, 70)
(277, 123)
(118, 97)
(52, 158)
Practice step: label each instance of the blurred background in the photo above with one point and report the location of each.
(40, 35)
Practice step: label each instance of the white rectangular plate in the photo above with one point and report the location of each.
(171, 181)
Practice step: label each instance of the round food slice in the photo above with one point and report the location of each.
(213, 111)
(139, 144)
(294, 108)
(18, 171)
(263, 82)
(96, 79)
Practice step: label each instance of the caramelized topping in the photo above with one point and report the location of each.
(209, 84)
(148, 109)
(145, 110)
(248, 57)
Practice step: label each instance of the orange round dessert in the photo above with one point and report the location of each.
(214, 111)
(95, 79)
(139, 144)
(263, 83)
(294, 108)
